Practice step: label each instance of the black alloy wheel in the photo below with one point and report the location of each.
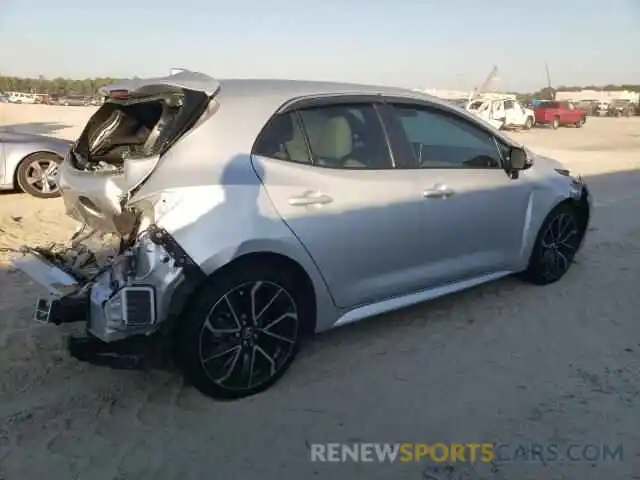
(248, 335)
(242, 332)
(556, 246)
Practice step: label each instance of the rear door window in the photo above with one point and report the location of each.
(346, 136)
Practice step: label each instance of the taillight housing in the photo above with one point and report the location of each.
(119, 94)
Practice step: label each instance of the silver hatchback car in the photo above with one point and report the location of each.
(222, 222)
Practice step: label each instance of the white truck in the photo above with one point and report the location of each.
(502, 112)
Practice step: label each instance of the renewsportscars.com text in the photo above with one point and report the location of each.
(466, 452)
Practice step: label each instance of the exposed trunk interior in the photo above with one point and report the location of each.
(121, 145)
(136, 128)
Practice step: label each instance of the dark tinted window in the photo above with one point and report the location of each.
(346, 136)
(444, 140)
(283, 139)
(509, 104)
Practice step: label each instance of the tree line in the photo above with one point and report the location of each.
(89, 86)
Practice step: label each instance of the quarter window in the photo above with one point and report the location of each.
(283, 139)
(346, 136)
(444, 140)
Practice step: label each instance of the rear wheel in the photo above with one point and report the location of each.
(243, 330)
(556, 245)
(556, 123)
(36, 175)
(581, 122)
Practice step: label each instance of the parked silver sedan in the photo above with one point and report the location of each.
(30, 163)
(249, 214)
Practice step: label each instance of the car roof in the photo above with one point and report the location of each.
(266, 86)
(265, 94)
(276, 92)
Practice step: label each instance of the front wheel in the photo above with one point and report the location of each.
(528, 124)
(581, 122)
(556, 123)
(243, 331)
(556, 245)
(36, 175)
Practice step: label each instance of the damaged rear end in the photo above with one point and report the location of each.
(119, 270)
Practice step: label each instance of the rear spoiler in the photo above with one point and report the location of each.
(183, 80)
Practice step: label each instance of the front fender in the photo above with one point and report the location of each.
(550, 190)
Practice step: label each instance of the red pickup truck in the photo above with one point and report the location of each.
(559, 113)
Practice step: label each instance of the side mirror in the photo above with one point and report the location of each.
(518, 159)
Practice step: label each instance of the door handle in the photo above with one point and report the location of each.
(310, 198)
(438, 191)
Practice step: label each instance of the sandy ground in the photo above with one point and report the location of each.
(504, 362)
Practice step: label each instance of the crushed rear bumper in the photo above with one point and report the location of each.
(123, 307)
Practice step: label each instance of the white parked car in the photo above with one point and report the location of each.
(20, 97)
(502, 113)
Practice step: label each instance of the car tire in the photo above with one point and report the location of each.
(27, 170)
(555, 123)
(528, 124)
(249, 315)
(580, 123)
(556, 245)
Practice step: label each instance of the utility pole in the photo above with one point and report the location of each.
(546, 66)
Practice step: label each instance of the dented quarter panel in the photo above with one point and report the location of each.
(226, 215)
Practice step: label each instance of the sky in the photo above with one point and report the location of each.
(410, 43)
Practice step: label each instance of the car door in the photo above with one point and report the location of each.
(512, 113)
(329, 172)
(571, 114)
(473, 211)
(499, 114)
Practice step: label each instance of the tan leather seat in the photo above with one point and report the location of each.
(296, 148)
(334, 144)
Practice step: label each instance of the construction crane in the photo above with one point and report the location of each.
(492, 77)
